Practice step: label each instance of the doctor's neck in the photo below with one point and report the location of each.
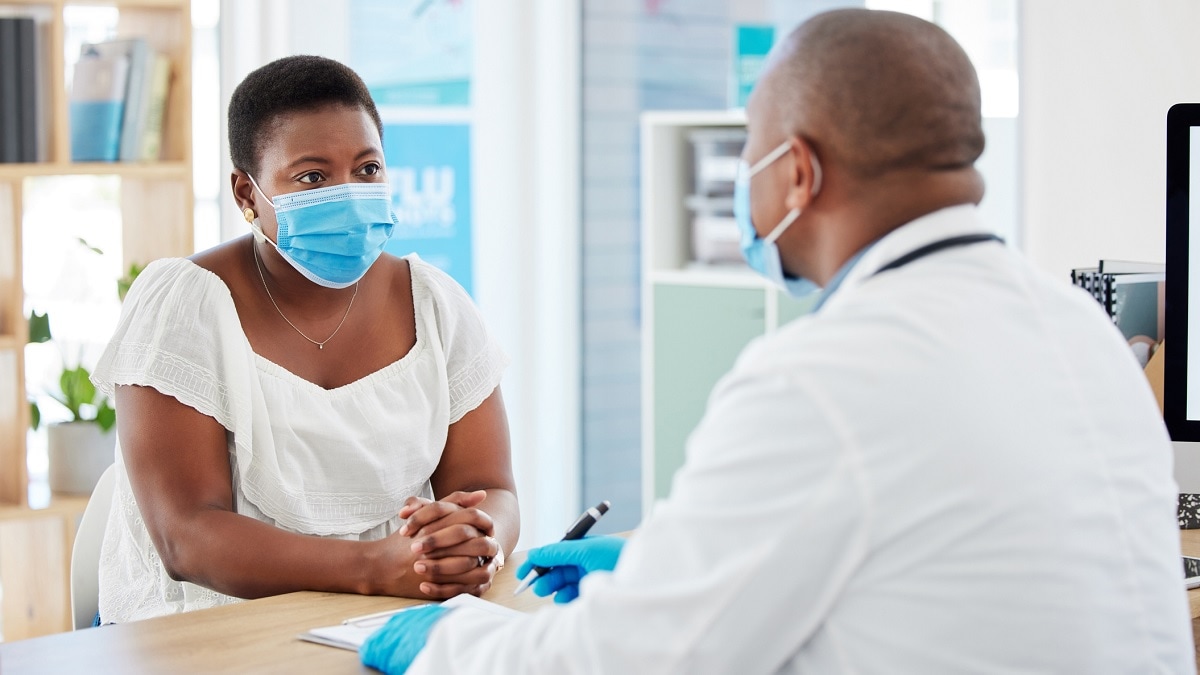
(856, 213)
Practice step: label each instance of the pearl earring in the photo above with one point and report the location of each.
(249, 215)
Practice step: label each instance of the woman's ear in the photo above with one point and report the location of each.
(807, 175)
(243, 191)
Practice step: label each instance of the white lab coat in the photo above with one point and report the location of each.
(952, 467)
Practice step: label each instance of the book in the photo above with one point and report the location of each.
(10, 129)
(137, 90)
(45, 62)
(150, 147)
(97, 106)
(27, 90)
(352, 633)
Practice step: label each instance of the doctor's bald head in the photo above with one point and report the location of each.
(876, 92)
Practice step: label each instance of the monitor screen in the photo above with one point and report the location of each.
(1181, 381)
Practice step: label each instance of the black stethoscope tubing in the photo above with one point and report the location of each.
(940, 245)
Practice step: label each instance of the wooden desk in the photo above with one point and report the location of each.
(1191, 546)
(35, 566)
(1190, 542)
(256, 636)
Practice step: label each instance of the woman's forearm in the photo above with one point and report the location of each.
(245, 558)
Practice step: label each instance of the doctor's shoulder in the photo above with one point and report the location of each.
(799, 344)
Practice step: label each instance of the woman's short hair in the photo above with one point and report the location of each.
(290, 84)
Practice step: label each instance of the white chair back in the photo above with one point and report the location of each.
(85, 554)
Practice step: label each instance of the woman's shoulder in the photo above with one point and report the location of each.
(224, 262)
(173, 276)
(170, 285)
(429, 280)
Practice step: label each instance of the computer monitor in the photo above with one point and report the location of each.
(1181, 381)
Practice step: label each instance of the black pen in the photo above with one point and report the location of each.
(578, 529)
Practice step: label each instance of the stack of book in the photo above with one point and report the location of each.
(118, 102)
(1133, 295)
(19, 102)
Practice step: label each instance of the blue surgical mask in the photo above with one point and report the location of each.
(762, 254)
(332, 235)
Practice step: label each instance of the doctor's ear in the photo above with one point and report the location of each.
(807, 175)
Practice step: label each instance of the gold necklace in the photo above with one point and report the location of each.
(321, 344)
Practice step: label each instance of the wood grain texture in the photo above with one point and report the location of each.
(35, 560)
(1190, 544)
(69, 506)
(177, 171)
(36, 551)
(57, 97)
(158, 220)
(1190, 540)
(256, 636)
(13, 475)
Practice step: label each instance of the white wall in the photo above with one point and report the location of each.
(1097, 77)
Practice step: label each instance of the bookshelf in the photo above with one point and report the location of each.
(156, 207)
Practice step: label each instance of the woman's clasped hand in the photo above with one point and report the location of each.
(453, 544)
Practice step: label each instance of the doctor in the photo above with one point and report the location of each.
(954, 465)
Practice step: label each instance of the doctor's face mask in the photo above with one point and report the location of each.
(332, 235)
(761, 253)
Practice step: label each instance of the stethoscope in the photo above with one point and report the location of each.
(940, 245)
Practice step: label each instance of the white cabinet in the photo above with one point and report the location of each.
(696, 317)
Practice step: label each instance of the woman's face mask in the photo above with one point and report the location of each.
(762, 254)
(332, 235)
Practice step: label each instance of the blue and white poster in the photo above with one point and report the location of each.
(413, 52)
(429, 167)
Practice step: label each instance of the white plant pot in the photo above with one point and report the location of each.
(79, 453)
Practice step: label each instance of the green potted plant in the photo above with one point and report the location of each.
(81, 448)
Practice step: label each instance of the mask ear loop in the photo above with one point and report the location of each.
(816, 169)
(795, 213)
(264, 195)
(779, 151)
(252, 217)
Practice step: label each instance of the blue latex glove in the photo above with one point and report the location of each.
(393, 647)
(570, 561)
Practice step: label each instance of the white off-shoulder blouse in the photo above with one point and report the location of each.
(335, 463)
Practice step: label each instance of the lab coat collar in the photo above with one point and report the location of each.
(942, 224)
(836, 282)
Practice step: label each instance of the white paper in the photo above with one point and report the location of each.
(353, 633)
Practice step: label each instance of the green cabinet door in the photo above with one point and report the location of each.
(793, 309)
(698, 333)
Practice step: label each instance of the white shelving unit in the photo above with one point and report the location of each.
(156, 209)
(696, 318)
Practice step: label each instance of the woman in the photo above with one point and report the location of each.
(292, 402)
